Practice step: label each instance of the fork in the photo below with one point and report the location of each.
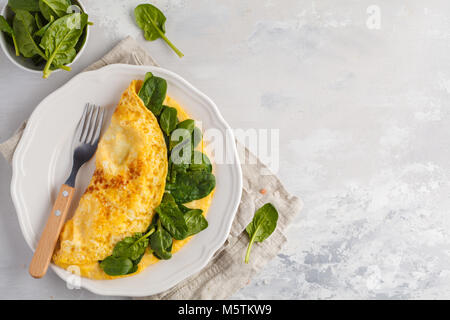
(84, 146)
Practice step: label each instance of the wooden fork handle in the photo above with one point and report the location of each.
(44, 251)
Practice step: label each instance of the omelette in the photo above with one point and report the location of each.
(127, 185)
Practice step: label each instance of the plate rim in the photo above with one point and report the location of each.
(27, 138)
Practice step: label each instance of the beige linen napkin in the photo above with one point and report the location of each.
(226, 272)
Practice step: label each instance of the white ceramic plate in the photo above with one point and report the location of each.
(42, 162)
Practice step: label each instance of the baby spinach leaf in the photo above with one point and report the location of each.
(55, 8)
(182, 133)
(184, 209)
(60, 40)
(42, 29)
(133, 247)
(5, 27)
(168, 120)
(28, 5)
(116, 266)
(161, 243)
(38, 19)
(195, 221)
(191, 185)
(200, 162)
(150, 19)
(153, 93)
(130, 249)
(262, 226)
(172, 218)
(196, 137)
(24, 27)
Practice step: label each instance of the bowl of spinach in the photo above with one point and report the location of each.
(43, 36)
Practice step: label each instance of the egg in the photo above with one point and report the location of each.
(127, 185)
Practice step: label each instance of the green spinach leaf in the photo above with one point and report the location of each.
(168, 120)
(195, 221)
(150, 19)
(44, 28)
(153, 93)
(5, 27)
(191, 185)
(182, 134)
(161, 243)
(28, 5)
(196, 137)
(172, 218)
(133, 247)
(130, 249)
(200, 162)
(117, 266)
(24, 27)
(60, 40)
(38, 19)
(262, 226)
(54, 8)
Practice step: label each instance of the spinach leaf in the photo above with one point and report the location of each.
(152, 21)
(28, 5)
(24, 27)
(38, 19)
(262, 226)
(168, 120)
(55, 8)
(5, 27)
(133, 247)
(196, 137)
(153, 93)
(195, 221)
(200, 162)
(191, 185)
(117, 266)
(42, 30)
(161, 243)
(185, 209)
(172, 218)
(128, 250)
(182, 133)
(60, 40)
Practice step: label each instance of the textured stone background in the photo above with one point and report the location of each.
(364, 122)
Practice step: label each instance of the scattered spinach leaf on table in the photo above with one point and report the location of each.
(150, 19)
(5, 27)
(262, 226)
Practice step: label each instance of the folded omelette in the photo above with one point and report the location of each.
(127, 185)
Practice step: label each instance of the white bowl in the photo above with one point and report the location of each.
(42, 162)
(26, 63)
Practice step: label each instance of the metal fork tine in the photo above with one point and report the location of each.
(87, 120)
(81, 123)
(98, 128)
(93, 124)
(88, 125)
